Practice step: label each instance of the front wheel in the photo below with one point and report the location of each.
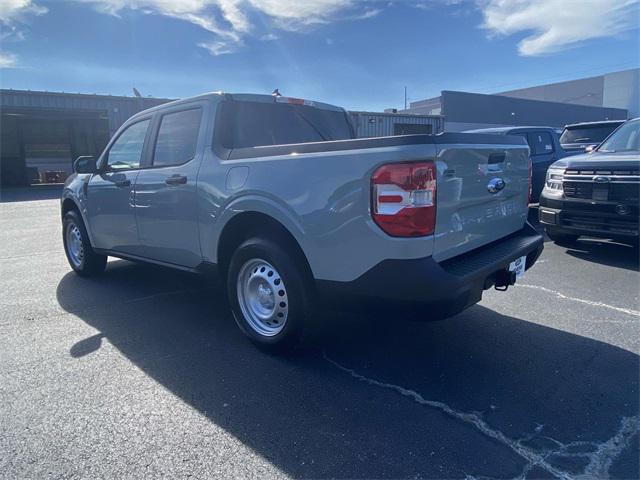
(77, 247)
(269, 295)
(560, 237)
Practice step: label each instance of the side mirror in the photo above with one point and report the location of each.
(590, 149)
(85, 164)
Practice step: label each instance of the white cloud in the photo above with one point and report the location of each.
(374, 12)
(269, 37)
(554, 25)
(229, 19)
(15, 10)
(548, 25)
(295, 14)
(218, 47)
(8, 60)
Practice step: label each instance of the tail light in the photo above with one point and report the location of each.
(404, 198)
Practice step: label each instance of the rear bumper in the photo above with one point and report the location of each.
(441, 289)
(588, 217)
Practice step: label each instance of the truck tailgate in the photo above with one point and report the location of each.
(482, 195)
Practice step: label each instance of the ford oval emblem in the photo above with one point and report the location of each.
(601, 179)
(623, 210)
(495, 185)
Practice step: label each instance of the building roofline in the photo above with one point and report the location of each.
(602, 75)
(396, 114)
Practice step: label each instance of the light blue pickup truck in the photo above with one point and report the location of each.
(276, 196)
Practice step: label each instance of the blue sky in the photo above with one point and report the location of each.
(357, 54)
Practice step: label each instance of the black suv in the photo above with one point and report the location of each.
(595, 194)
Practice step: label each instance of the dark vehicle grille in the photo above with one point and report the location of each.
(623, 187)
(578, 189)
(601, 223)
(617, 192)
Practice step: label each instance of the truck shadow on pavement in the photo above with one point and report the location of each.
(481, 394)
(608, 253)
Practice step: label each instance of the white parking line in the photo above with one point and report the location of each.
(627, 311)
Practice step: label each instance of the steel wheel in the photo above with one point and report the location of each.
(262, 297)
(75, 247)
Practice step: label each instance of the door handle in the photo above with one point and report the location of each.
(123, 183)
(176, 180)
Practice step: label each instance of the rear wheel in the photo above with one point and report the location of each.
(561, 237)
(77, 247)
(268, 294)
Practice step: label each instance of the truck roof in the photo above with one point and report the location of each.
(507, 130)
(242, 97)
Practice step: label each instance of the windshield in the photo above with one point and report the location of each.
(625, 139)
(587, 133)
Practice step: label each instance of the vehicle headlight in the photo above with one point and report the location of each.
(553, 183)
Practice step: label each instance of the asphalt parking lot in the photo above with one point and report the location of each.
(143, 373)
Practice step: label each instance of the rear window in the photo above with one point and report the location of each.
(255, 124)
(587, 133)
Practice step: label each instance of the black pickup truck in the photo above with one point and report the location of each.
(595, 194)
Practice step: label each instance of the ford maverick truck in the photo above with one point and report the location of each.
(276, 196)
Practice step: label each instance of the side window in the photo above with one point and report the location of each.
(527, 139)
(177, 138)
(126, 152)
(540, 143)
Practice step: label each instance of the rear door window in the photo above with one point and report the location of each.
(177, 138)
(254, 124)
(540, 143)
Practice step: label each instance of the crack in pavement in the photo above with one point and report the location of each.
(628, 311)
(600, 458)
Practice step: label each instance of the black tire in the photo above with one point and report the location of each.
(561, 238)
(288, 278)
(89, 263)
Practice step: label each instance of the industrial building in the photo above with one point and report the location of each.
(466, 111)
(611, 96)
(43, 132)
(616, 90)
